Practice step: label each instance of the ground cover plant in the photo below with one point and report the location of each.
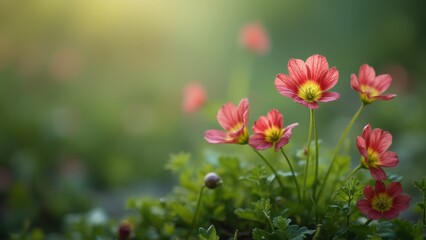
(307, 192)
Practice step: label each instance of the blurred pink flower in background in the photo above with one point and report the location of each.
(194, 97)
(5, 50)
(5, 179)
(400, 76)
(254, 37)
(65, 64)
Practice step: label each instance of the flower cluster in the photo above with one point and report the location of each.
(308, 83)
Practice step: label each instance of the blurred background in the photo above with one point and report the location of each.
(92, 93)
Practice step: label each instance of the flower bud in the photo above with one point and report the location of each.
(125, 230)
(212, 180)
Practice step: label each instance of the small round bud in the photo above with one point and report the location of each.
(125, 230)
(212, 180)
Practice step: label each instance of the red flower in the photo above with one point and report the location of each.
(382, 202)
(268, 131)
(234, 120)
(308, 82)
(372, 145)
(254, 37)
(369, 86)
(194, 97)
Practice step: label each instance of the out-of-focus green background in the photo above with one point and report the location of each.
(91, 91)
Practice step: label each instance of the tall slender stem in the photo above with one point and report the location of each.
(308, 153)
(196, 212)
(353, 172)
(293, 174)
(271, 167)
(316, 155)
(338, 146)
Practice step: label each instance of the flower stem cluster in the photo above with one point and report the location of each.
(308, 83)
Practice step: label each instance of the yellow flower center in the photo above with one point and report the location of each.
(310, 91)
(242, 138)
(367, 93)
(373, 159)
(273, 134)
(382, 202)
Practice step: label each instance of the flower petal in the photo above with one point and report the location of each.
(384, 97)
(389, 159)
(285, 85)
(382, 82)
(243, 108)
(275, 118)
(257, 141)
(288, 130)
(355, 83)
(311, 105)
(364, 206)
(317, 67)
(283, 141)
(380, 140)
(393, 213)
(373, 214)
(380, 187)
(261, 125)
(215, 136)
(297, 70)
(401, 202)
(366, 132)
(228, 116)
(330, 79)
(329, 96)
(369, 193)
(362, 148)
(394, 189)
(377, 173)
(366, 74)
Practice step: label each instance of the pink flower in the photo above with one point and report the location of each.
(268, 131)
(194, 97)
(369, 86)
(234, 120)
(372, 145)
(254, 37)
(308, 82)
(382, 202)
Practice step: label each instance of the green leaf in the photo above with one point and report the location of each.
(259, 234)
(283, 230)
(249, 214)
(261, 210)
(407, 230)
(178, 161)
(181, 211)
(209, 234)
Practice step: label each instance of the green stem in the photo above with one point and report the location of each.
(316, 155)
(353, 172)
(305, 175)
(293, 174)
(368, 222)
(271, 167)
(196, 212)
(424, 211)
(347, 178)
(269, 220)
(337, 149)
